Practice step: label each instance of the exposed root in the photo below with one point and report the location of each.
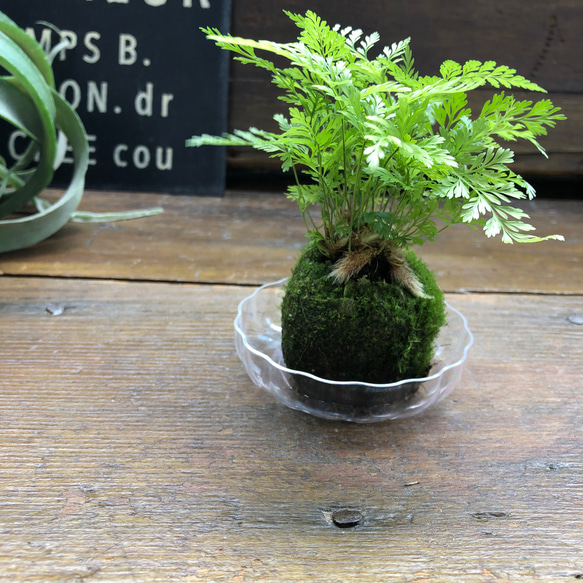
(404, 275)
(352, 263)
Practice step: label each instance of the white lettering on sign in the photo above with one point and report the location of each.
(68, 158)
(13, 150)
(142, 157)
(70, 90)
(165, 102)
(162, 164)
(92, 149)
(17, 153)
(128, 54)
(117, 159)
(144, 102)
(46, 43)
(45, 40)
(95, 52)
(185, 3)
(71, 37)
(97, 95)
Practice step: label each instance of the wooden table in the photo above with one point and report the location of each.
(134, 447)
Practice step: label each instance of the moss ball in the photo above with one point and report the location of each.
(368, 330)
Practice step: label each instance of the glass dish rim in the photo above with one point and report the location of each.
(253, 350)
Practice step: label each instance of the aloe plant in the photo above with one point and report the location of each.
(30, 103)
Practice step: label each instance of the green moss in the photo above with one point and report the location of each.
(369, 329)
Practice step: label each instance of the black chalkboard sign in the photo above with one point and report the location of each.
(143, 79)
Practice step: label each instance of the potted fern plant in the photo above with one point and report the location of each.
(384, 159)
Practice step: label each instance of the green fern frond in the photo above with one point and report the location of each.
(386, 147)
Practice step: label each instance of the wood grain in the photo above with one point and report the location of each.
(257, 103)
(134, 447)
(248, 238)
(541, 41)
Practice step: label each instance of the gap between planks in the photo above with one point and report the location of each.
(461, 292)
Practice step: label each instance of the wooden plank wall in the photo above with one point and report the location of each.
(541, 39)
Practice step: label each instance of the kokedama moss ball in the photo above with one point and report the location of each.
(370, 329)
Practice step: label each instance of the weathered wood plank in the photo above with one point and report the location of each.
(557, 165)
(542, 42)
(236, 239)
(254, 103)
(465, 260)
(134, 447)
(252, 239)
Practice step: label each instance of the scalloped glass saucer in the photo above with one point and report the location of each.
(258, 344)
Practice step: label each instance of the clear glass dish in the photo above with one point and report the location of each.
(258, 344)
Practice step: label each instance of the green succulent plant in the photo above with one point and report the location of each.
(31, 104)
